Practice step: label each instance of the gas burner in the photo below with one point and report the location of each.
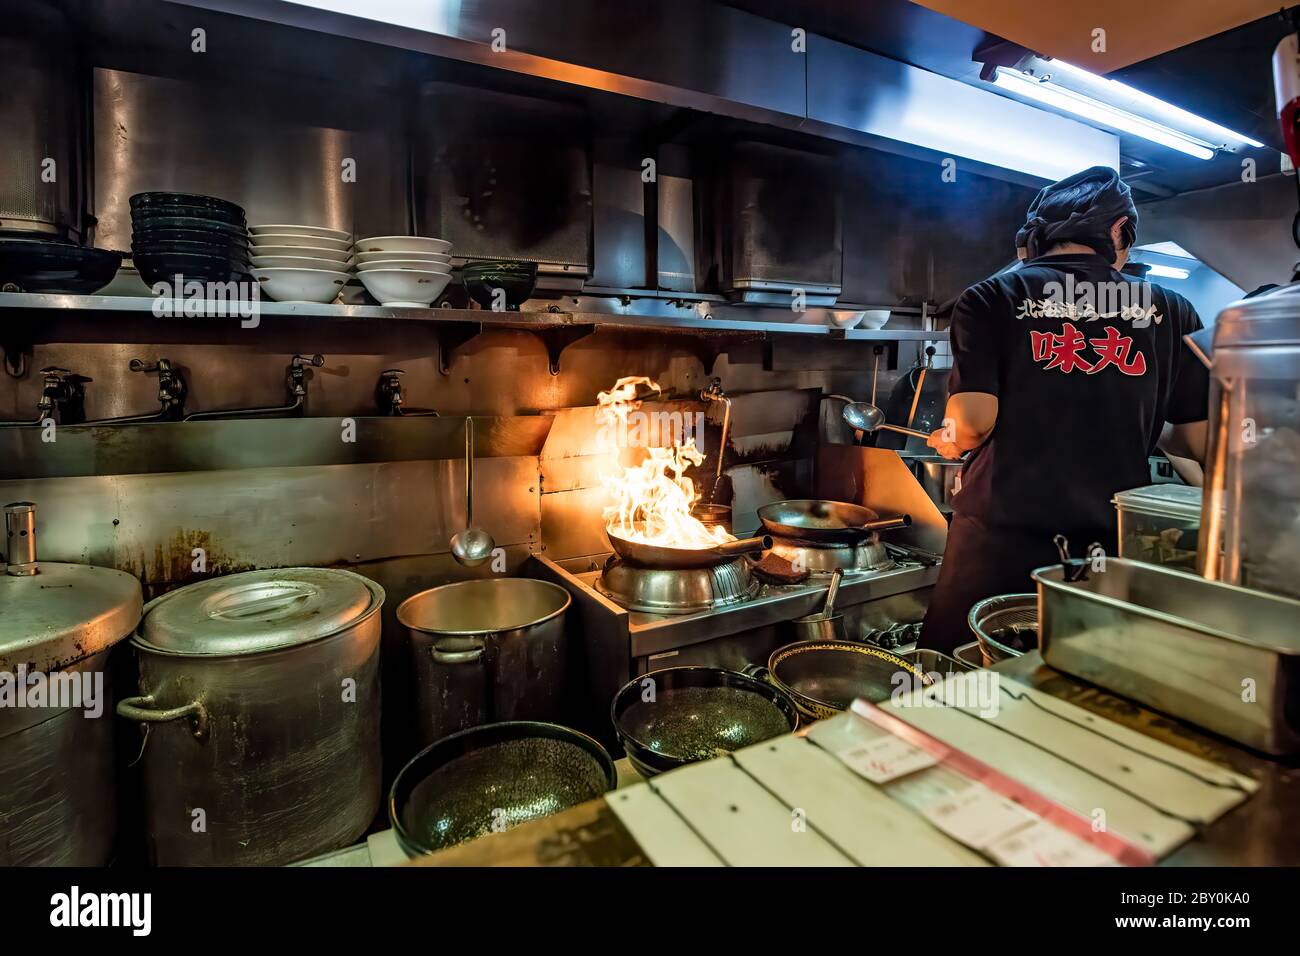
(677, 590)
(821, 559)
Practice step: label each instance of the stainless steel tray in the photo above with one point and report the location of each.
(1222, 657)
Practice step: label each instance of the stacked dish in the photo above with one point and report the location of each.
(295, 263)
(195, 237)
(404, 271)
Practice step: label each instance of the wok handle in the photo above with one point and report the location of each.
(141, 709)
(757, 671)
(746, 545)
(884, 524)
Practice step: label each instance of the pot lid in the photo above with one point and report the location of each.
(257, 611)
(63, 613)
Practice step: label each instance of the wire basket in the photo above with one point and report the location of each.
(1005, 626)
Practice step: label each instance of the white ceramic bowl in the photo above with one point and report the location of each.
(842, 319)
(300, 285)
(402, 244)
(310, 252)
(418, 265)
(404, 287)
(298, 239)
(874, 318)
(436, 259)
(294, 230)
(303, 261)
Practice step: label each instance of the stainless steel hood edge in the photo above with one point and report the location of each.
(707, 57)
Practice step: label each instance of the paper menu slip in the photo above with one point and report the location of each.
(977, 816)
(885, 758)
(1042, 844)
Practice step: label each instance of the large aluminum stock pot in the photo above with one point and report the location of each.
(58, 625)
(260, 704)
(485, 651)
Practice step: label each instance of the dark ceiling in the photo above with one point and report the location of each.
(1227, 78)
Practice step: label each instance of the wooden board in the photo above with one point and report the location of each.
(1150, 794)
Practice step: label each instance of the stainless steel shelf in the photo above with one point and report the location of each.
(735, 319)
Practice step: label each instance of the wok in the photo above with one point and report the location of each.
(825, 677)
(474, 781)
(675, 716)
(660, 556)
(836, 522)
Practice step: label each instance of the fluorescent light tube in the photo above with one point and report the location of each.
(1172, 249)
(1166, 272)
(1098, 112)
(1157, 108)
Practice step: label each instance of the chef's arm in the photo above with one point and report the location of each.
(1185, 446)
(968, 420)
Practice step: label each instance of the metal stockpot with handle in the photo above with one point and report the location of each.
(58, 624)
(485, 651)
(260, 705)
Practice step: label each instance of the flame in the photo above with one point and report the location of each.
(651, 501)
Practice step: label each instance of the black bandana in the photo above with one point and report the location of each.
(1080, 208)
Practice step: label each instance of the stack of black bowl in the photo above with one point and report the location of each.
(199, 238)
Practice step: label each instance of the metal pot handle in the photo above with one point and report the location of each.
(469, 654)
(757, 671)
(140, 709)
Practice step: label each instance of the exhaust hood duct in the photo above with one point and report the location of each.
(712, 58)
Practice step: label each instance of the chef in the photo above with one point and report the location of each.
(1066, 376)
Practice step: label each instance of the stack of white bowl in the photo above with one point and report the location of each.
(294, 263)
(403, 271)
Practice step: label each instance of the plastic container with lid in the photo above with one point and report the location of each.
(1160, 524)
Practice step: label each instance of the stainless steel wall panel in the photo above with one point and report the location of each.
(88, 450)
(482, 183)
(148, 525)
(572, 523)
(274, 148)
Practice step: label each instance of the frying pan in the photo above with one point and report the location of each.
(824, 677)
(832, 521)
(675, 716)
(659, 556)
(460, 787)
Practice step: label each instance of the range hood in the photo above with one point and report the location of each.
(712, 58)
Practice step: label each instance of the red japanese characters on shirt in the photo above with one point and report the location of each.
(1061, 350)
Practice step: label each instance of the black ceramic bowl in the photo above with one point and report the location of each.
(163, 249)
(146, 201)
(219, 241)
(40, 265)
(154, 269)
(496, 775)
(516, 279)
(150, 223)
(189, 212)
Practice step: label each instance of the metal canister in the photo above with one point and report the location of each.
(260, 698)
(486, 651)
(58, 624)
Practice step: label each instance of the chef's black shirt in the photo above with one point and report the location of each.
(1087, 365)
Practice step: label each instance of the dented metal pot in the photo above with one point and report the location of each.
(260, 704)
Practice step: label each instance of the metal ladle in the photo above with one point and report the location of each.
(866, 417)
(472, 546)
